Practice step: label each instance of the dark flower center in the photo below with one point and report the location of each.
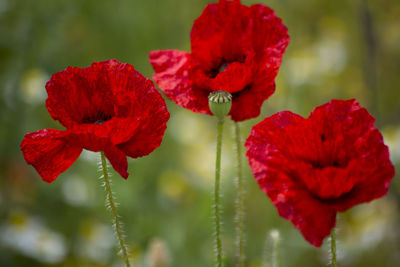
(320, 165)
(223, 67)
(236, 94)
(224, 63)
(328, 162)
(99, 118)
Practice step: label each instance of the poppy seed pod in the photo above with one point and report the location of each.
(220, 103)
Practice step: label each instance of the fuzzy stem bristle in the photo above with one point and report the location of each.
(112, 206)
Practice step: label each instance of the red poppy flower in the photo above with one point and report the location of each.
(313, 168)
(235, 48)
(108, 107)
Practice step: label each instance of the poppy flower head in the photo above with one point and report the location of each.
(234, 48)
(311, 168)
(108, 107)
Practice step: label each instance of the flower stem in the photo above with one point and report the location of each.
(333, 248)
(239, 201)
(217, 211)
(112, 206)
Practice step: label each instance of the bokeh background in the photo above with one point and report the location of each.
(339, 49)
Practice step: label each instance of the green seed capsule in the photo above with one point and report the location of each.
(220, 103)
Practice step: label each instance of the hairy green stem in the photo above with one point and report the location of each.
(333, 248)
(239, 201)
(217, 210)
(111, 202)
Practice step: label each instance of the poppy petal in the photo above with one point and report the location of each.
(221, 29)
(71, 98)
(314, 219)
(172, 77)
(50, 152)
(247, 103)
(153, 123)
(269, 36)
(118, 160)
(373, 171)
(117, 131)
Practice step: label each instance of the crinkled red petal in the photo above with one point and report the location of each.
(234, 78)
(294, 202)
(107, 89)
(78, 93)
(117, 159)
(369, 172)
(94, 142)
(153, 117)
(329, 162)
(247, 104)
(50, 152)
(221, 30)
(349, 131)
(269, 37)
(373, 173)
(116, 130)
(172, 76)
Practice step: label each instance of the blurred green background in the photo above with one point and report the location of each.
(339, 49)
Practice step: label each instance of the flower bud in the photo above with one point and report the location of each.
(220, 103)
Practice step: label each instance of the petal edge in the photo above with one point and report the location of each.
(50, 152)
